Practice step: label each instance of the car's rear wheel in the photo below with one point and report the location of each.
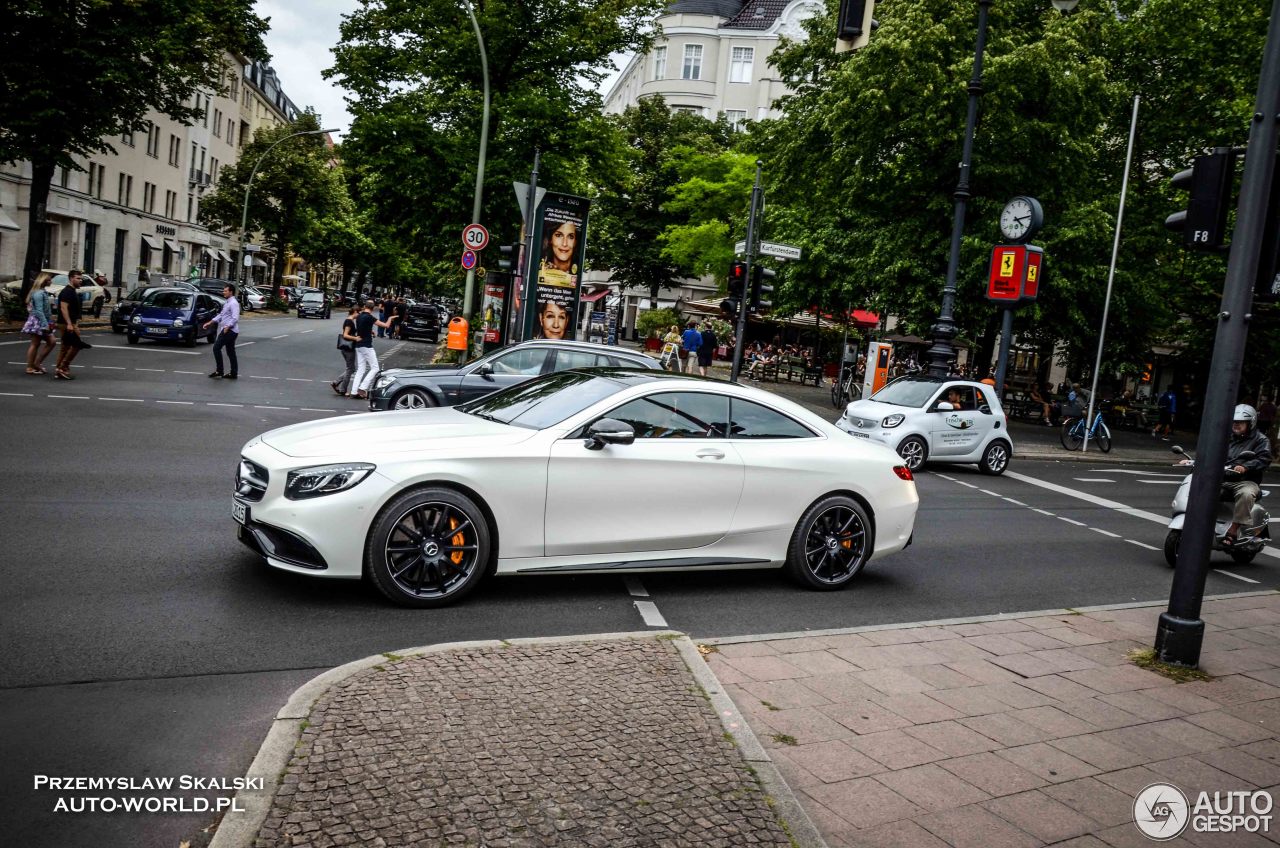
(428, 548)
(1172, 542)
(831, 544)
(995, 459)
(413, 399)
(914, 452)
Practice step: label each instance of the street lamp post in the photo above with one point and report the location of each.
(468, 297)
(244, 215)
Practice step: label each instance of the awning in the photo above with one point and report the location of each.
(152, 242)
(863, 318)
(594, 296)
(7, 222)
(258, 263)
(222, 254)
(172, 245)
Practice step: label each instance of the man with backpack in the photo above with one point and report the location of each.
(690, 344)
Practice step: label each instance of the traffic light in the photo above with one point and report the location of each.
(854, 24)
(729, 308)
(1266, 289)
(1203, 223)
(737, 279)
(759, 288)
(507, 254)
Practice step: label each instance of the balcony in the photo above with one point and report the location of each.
(199, 178)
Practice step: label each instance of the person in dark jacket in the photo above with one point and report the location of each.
(1247, 473)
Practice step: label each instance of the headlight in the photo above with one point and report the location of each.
(137, 319)
(324, 479)
(383, 382)
(893, 420)
(178, 322)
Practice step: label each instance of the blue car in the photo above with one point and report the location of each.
(174, 315)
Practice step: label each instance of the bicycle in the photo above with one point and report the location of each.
(1073, 431)
(846, 390)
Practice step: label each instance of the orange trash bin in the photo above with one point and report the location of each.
(458, 330)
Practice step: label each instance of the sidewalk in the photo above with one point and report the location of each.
(1023, 730)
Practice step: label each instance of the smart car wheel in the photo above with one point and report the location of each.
(831, 544)
(995, 459)
(428, 548)
(914, 452)
(412, 399)
(1171, 543)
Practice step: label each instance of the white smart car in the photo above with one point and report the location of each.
(936, 420)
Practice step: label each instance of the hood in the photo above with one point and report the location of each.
(160, 312)
(875, 409)
(395, 434)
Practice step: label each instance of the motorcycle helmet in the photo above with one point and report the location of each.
(1246, 413)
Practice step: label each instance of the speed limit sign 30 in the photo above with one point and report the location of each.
(475, 237)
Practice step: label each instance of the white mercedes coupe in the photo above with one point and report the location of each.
(603, 470)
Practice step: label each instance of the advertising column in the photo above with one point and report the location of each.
(560, 238)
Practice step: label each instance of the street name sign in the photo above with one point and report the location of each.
(475, 237)
(779, 250)
(740, 248)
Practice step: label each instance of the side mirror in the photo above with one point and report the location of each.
(609, 431)
(485, 370)
(943, 406)
(1178, 450)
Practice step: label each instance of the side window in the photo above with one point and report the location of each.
(961, 397)
(676, 415)
(753, 421)
(566, 359)
(984, 405)
(528, 361)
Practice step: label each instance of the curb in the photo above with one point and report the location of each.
(239, 829)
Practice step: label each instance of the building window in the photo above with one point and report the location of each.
(231, 131)
(190, 206)
(660, 63)
(740, 67)
(235, 88)
(175, 150)
(736, 118)
(120, 192)
(687, 110)
(692, 62)
(213, 169)
(128, 191)
(90, 247)
(217, 123)
(148, 197)
(64, 176)
(127, 138)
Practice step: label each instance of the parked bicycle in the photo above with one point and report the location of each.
(845, 390)
(1073, 432)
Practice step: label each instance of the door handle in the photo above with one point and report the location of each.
(710, 453)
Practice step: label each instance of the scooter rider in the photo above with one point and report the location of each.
(1246, 474)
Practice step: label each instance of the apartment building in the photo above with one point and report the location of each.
(133, 214)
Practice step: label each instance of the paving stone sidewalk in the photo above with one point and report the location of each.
(1021, 731)
(586, 743)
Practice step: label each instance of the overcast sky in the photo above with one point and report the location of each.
(301, 40)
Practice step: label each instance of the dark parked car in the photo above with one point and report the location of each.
(212, 285)
(446, 385)
(127, 305)
(174, 314)
(313, 305)
(422, 322)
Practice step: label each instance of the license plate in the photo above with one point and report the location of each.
(860, 435)
(240, 512)
(159, 331)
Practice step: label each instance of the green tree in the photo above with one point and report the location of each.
(297, 184)
(74, 75)
(413, 70)
(712, 200)
(632, 211)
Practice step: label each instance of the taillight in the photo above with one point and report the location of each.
(903, 472)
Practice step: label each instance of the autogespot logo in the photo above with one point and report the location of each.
(1161, 812)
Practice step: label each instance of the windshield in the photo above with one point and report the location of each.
(910, 391)
(312, 298)
(168, 299)
(544, 401)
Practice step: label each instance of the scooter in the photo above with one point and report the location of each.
(1249, 540)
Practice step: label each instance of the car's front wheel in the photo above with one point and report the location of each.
(914, 452)
(192, 338)
(995, 459)
(132, 338)
(831, 544)
(412, 399)
(428, 548)
(1172, 542)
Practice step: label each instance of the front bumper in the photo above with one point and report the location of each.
(160, 332)
(877, 434)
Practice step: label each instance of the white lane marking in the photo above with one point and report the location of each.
(178, 402)
(270, 407)
(649, 612)
(24, 341)
(225, 404)
(1163, 482)
(313, 409)
(1093, 479)
(197, 373)
(15, 363)
(945, 477)
(1105, 532)
(257, 377)
(1104, 502)
(1142, 545)
(124, 400)
(304, 332)
(285, 336)
(1072, 521)
(158, 370)
(70, 397)
(246, 344)
(1012, 501)
(991, 493)
(1236, 576)
(1044, 512)
(147, 349)
(635, 588)
(353, 411)
(1129, 471)
(111, 368)
(963, 483)
(299, 380)
(17, 394)
(77, 366)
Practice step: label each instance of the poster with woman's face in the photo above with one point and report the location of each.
(561, 243)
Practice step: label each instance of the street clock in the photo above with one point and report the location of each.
(1021, 219)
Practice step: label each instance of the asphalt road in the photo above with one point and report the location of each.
(143, 639)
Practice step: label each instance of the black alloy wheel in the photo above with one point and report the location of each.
(429, 548)
(831, 544)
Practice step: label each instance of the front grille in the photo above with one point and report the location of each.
(251, 480)
(863, 423)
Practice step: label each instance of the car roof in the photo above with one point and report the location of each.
(594, 347)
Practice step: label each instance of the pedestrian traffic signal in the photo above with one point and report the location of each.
(729, 308)
(760, 287)
(1203, 223)
(737, 279)
(507, 254)
(854, 24)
